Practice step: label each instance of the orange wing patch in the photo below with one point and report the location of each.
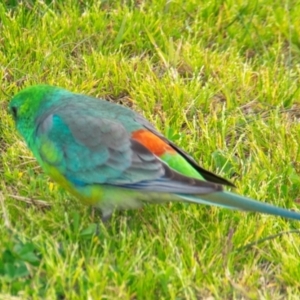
(152, 142)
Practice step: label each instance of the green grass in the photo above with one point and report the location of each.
(219, 78)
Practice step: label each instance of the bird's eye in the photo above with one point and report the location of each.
(14, 111)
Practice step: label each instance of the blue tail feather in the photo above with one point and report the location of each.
(234, 201)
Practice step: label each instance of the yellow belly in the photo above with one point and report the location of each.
(89, 195)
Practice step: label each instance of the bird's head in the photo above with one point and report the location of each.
(26, 106)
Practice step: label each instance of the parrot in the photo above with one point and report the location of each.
(112, 158)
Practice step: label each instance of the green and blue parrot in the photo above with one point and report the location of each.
(112, 158)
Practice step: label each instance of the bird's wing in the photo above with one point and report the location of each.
(91, 150)
(205, 173)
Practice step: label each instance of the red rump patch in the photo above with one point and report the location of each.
(152, 142)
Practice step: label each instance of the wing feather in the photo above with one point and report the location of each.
(205, 173)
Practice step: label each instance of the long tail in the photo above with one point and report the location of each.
(234, 201)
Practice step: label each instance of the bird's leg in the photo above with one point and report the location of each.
(104, 214)
(105, 217)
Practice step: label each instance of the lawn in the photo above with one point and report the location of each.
(219, 78)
